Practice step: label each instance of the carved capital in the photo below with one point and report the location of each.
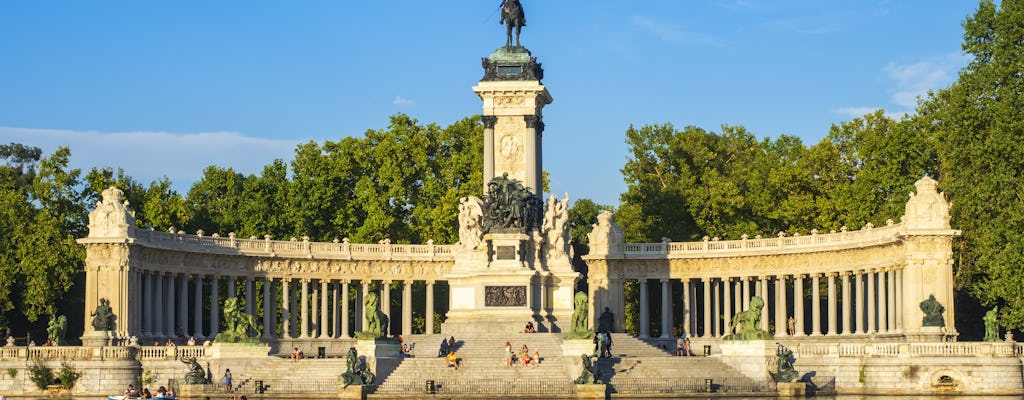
(489, 121)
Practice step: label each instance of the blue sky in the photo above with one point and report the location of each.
(167, 88)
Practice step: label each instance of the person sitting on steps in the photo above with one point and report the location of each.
(453, 360)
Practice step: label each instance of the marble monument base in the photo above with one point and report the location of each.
(96, 339)
(749, 357)
(574, 348)
(352, 392)
(591, 391)
(792, 389)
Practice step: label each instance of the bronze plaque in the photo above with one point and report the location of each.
(505, 296)
(505, 253)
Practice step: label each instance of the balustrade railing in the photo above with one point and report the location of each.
(867, 236)
(84, 353)
(944, 349)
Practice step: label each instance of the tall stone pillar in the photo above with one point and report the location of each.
(645, 319)
(815, 305)
(407, 308)
(385, 301)
(726, 306)
(359, 309)
(832, 329)
(871, 301)
(798, 303)
(859, 302)
(737, 300)
(268, 310)
(666, 309)
(780, 305)
(232, 291)
(183, 304)
(314, 311)
(250, 297)
(344, 310)
(707, 308)
(716, 312)
(745, 281)
(687, 305)
(286, 308)
(169, 304)
(847, 328)
(215, 306)
(335, 311)
(488, 121)
(197, 308)
(158, 326)
(429, 309)
(147, 305)
(900, 306)
(324, 310)
(304, 310)
(883, 312)
(891, 298)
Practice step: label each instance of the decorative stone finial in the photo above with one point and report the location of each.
(606, 238)
(927, 209)
(111, 218)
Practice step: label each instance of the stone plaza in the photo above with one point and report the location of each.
(854, 297)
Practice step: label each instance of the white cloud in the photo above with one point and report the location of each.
(146, 156)
(857, 112)
(401, 101)
(916, 79)
(672, 34)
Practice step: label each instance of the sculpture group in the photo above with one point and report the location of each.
(510, 205)
(239, 324)
(355, 371)
(376, 320)
(103, 316)
(746, 324)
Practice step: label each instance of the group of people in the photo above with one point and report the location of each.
(161, 393)
(447, 351)
(523, 358)
(603, 344)
(683, 347)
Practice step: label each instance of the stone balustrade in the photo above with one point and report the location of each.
(868, 236)
(905, 350)
(105, 353)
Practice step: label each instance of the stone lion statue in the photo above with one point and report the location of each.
(746, 324)
(238, 324)
(376, 320)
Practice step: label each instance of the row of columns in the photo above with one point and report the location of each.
(871, 304)
(321, 309)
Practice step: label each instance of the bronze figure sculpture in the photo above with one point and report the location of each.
(512, 16)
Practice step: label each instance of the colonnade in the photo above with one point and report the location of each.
(308, 308)
(861, 302)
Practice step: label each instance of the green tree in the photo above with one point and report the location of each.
(977, 122)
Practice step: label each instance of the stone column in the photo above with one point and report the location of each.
(645, 319)
(798, 304)
(147, 304)
(314, 310)
(286, 309)
(344, 309)
(737, 304)
(250, 297)
(385, 302)
(847, 329)
(871, 301)
(407, 309)
(726, 306)
(232, 291)
(197, 309)
(858, 292)
(214, 306)
(324, 311)
(532, 174)
(745, 281)
(429, 309)
(183, 304)
(891, 298)
(780, 305)
(296, 312)
(716, 314)
(832, 330)
(767, 303)
(304, 310)
(687, 305)
(267, 310)
(883, 326)
(335, 311)
(666, 309)
(707, 308)
(159, 311)
(359, 305)
(815, 306)
(488, 121)
(899, 301)
(169, 311)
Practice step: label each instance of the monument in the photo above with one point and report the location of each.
(511, 264)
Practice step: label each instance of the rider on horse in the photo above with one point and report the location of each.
(512, 16)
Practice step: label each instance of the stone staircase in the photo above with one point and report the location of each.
(638, 368)
(482, 368)
(281, 375)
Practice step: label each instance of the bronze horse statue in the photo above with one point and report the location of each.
(512, 16)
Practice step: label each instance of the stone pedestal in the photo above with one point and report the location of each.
(792, 389)
(591, 391)
(573, 348)
(96, 339)
(238, 350)
(352, 392)
(186, 390)
(748, 357)
(381, 355)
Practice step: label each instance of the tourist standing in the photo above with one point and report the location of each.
(680, 345)
(791, 326)
(508, 354)
(227, 380)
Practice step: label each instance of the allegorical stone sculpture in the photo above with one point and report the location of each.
(239, 324)
(932, 312)
(376, 320)
(510, 206)
(512, 16)
(580, 316)
(606, 238)
(784, 366)
(555, 227)
(103, 316)
(746, 324)
(471, 215)
(195, 375)
(991, 325)
(588, 375)
(355, 372)
(56, 329)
